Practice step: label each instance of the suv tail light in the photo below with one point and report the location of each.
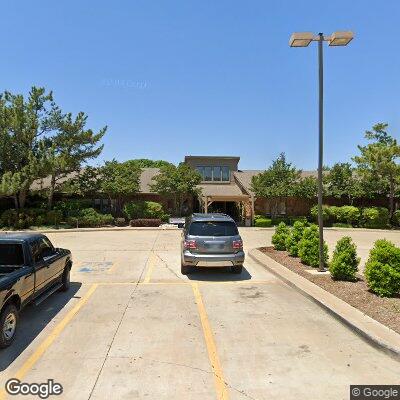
(237, 244)
(190, 244)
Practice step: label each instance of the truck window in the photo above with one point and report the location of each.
(11, 254)
(41, 248)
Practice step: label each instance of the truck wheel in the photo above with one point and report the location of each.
(66, 282)
(237, 269)
(8, 325)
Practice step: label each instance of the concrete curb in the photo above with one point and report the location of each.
(372, 331)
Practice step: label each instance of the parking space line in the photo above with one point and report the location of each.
(33, 359)
(150, 266)
(220, 385)
(112, 268)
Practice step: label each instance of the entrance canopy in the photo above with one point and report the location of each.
(226, 192)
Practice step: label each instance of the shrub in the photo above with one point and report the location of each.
(292, 241)
(145, 210)
(279, 237)
(375, 217)
(120, 221)
(344, 264)
(89, 217)
(348, 214)
(53, 217)
(263, 222)
(309, 247)
(72, 207)
(40, 220)
(326, 216)
(9, 217)
(396, 218)
(24, 221)
(382, 270)
(145, 222)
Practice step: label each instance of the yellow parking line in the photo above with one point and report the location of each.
(33, 359)
(220, 385)
(150, 266)
(112, 268)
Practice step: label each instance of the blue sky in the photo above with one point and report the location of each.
(172, 78)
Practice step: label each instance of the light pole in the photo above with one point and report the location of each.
(303, 39)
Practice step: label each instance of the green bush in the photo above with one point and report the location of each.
(263, 222)
(146, 210)
(9, 217)
(89, 217)
(396, 218)
(40, 220)
(309, 247)
(344, 264)
(375, 217)
(280, 235)
(382, 270)
(348, 214)
(326, 215)
(72, 207)
(292, 241)
(53, 217)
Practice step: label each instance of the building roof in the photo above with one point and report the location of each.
(146, 179)
(220, 189)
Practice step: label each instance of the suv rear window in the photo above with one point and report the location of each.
(213, 228)
(11, 254)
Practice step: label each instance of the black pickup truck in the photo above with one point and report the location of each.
(31, 269)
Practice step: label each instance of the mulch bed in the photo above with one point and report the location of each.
(357, 294)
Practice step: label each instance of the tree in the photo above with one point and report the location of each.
(86, 183)
(341, 181)
(306, 187)
(119, 180)
(378, 163)
(177, 183)
(69, 148)
(24, 124)
(278, 181)
(146, 163)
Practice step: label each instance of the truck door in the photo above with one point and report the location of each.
(41, 270)
(54, 261)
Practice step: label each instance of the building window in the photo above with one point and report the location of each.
(215, 174)
(207, 174)
(226, 174)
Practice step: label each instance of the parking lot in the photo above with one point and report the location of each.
(133, 327)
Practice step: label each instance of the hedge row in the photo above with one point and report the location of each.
(369, 217)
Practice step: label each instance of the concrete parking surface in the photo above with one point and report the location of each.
(132, 327)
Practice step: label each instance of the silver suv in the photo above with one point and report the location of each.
(211, 240)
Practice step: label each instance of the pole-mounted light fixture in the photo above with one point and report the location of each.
(303, 39)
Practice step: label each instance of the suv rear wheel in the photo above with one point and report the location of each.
(237, 269)
(186, 269)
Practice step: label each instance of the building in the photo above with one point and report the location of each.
(226, 188)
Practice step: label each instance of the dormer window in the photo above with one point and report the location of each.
(214, 174)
